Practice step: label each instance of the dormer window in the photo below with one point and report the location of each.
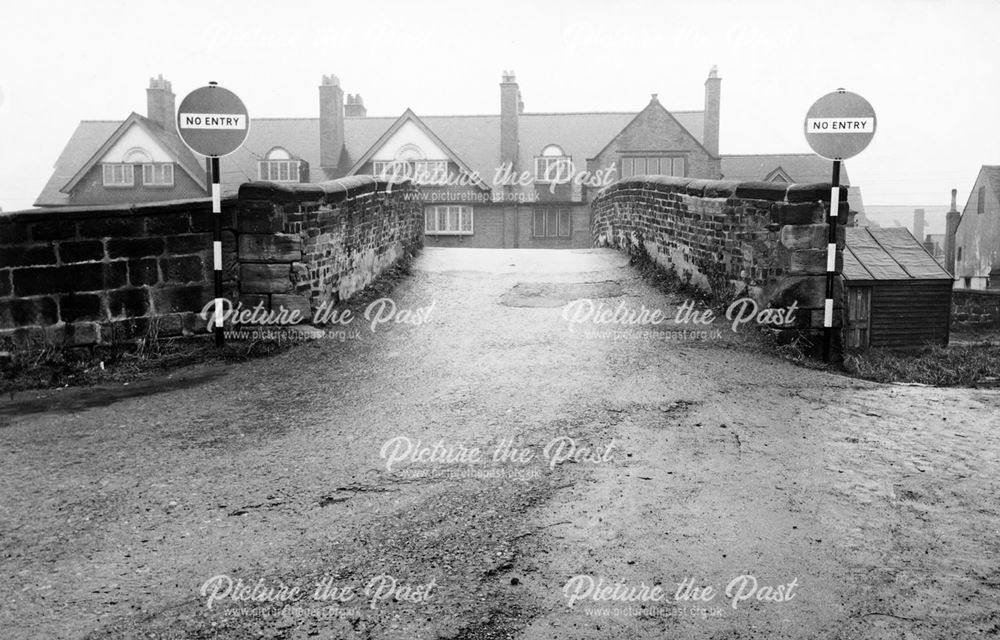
(118, 174)
(647, 165)
(158, 174)
(553, 165)
(122, 174)
(279, 166)
(410, 162)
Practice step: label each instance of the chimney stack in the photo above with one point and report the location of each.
(160, 103)
(950, 230)
(713, 95)
(919, 224)
(331, 123)
(355, 107)
(511, 106)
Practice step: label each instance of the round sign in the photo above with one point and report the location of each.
(213, 121)
(840, 125)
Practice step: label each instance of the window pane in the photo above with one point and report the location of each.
(564, 222)
(430, 215)
(539, 223)
(678, 169)
(467, 219)
(452, 218)
(551, 223)
(293, 171)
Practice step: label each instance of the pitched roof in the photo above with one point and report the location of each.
(93, 138)
(88, 137)
(801, 167)
(991, 173)
(888, 253)
(409, 116)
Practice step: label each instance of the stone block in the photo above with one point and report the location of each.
(182, 269)
(805, 213)
(79, 334)
(171, 223)
(115, 274)
(38, 280)
(13, 232)
(48, 230)
(81, 251)
(181, 298)
(144, 271)
(193, 323)
(265, 278)
(808, 291)
(74, 307)
(809, 192)
(276, 247)
(168, 325)
(27, 255)
(126, 330)
(259, 218)
(812, 262)
(292, 302)
(128, 303)
(804, 236)
(135, 247)
(773, 191)
(125, 226)
(25, 312)
(189, 243)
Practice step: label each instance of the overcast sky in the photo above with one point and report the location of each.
(929, 67)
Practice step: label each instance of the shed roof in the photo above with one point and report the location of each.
(888, 253)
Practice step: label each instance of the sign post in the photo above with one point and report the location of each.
(838, 126)
(214, 122)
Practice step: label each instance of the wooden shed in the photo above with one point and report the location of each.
(896, 293)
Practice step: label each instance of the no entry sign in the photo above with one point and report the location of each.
(213, 121)
(840, 125)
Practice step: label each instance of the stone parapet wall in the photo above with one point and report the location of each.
(83, 276)
(764, 240)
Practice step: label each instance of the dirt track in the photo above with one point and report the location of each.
(706, 461)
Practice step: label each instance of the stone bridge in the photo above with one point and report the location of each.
(82, 276)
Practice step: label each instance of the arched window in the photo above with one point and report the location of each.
(278, 153)
(279, 166)
(553, 165)
(137, 155)
(410, 153)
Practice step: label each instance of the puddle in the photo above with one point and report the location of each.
(558, 294)
(71, 399)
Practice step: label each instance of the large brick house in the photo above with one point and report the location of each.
(513, 179)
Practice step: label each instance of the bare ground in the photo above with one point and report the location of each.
(879, 501)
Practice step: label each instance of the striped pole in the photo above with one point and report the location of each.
(217, 250)
(831, 261)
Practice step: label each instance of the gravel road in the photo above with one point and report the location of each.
(477, 466)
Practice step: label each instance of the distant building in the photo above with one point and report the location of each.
(513, 179)
(140, 159)
(977, 236)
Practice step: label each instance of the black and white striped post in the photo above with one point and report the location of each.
(220, 338)
(838, 126)
(831, 260)
(214, 122)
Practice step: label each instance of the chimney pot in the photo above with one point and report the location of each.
(511, 106)
(713, 97)
(331, 124)
(160, 103)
